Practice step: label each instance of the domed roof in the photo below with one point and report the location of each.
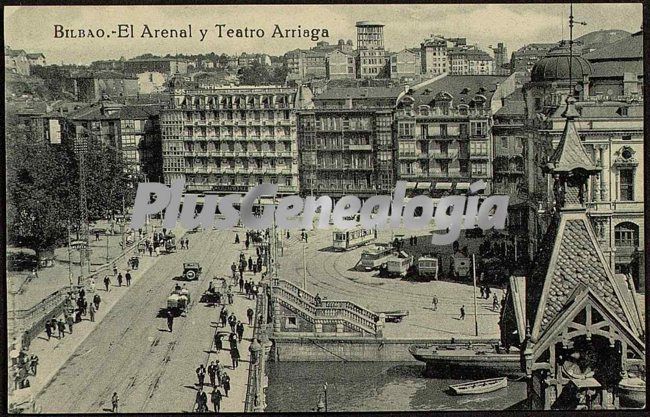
(555, 67)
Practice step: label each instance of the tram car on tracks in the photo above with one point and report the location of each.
(349, 239)
(427, 266)
(375, 256)
(397, 265)
(461, 265)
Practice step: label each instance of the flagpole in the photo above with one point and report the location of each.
(475, 306)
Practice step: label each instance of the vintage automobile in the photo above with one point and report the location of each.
(191, 270)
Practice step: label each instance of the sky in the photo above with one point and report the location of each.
(32, 28)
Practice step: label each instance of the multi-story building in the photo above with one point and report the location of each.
(312, 63)
(405, 64)
(16, 61)
(372, 58)
(524, 58)
(132, 130)
(340, 65)
(36, 59)
(227, 139)
(346, 142)
(501, 64)
(465, 60)
(433, 55)
(169, 66)
(611, 129)
(90, 86)
(444, 132)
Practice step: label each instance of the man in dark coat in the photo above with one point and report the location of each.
(215, 397)
(225, 382)
(218, 343)
(234, 355)
(249, 314)
(212, 373)
(201, 401)
(128, 278)
(240, 330)
(48, 329)
(97, 300)
(200, 374)
(170, 320)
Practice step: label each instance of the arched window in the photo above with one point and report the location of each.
(626, 234)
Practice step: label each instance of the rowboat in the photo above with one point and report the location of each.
(479, 387)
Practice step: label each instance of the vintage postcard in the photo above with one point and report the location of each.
(324, 208)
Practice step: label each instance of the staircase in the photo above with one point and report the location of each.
(349, 314)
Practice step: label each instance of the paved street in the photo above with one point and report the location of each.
(331, 274)
(131, 352)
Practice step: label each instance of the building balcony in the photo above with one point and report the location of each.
(408, 155)
(441, 137)
(479, 156)
(441, 155)
(360, 147)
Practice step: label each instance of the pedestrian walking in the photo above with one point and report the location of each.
(107, 282)
(114, 270)
(462, 313)
(119, 279)
(248, 243)
(128, 278)
(495, 303)
(91, 311)
(187, 243)
(232, 339)
(234, 355)
(48, 329)
(488, 291)
(241, 285)
(219, 370)
(33, 364)
(215, 397)
(236, 237)
(115, 401)
(70, 322)
(233, 268)
(61, 326)
(230, 297)
(212, 373)
(435, 303)
(239, 328)
(150, 248)
(201, 401)
(249, 314)
(482, 291)
(170, 321)
(92, 284)
(250, 263)
(97, 300)
(200, 374)
(232, 320)
(225, 383)
(223, 316)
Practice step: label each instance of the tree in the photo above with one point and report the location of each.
(40, 192)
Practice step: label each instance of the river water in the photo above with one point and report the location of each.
(385, 386)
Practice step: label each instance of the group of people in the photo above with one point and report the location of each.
(218, 378)
(185, 243)
(22, 367)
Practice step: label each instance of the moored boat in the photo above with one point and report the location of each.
(479, 357)
(479, 387)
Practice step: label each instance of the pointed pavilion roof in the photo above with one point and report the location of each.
(570, 153)
(576, 259)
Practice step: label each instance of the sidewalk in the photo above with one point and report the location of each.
(235, 402)
(54, 278)
(54, 353)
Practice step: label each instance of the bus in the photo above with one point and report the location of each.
(398, 266)
(357, 236)
(375, 256)
(428, 267)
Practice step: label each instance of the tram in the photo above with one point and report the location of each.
(357, 236)
(375, 256)
(427, 266)
(399, 265)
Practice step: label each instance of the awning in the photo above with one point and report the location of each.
(411, 185)
(423, 185)
(462, 186)
(443, 186)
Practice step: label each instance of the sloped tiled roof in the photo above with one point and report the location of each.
(463, 88)
(570, 153)
(514, 105)
(576, 260)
